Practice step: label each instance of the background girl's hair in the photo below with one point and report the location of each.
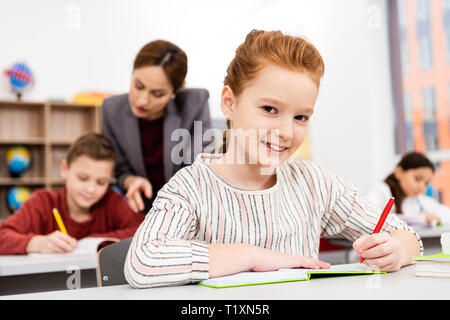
(262, 48)
(411, 160)
(168, 56)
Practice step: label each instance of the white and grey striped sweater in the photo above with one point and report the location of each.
(196, 208)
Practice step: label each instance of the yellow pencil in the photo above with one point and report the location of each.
(59, 221)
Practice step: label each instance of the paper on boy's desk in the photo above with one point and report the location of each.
(92, 245)
(88, 245)
(285, 275)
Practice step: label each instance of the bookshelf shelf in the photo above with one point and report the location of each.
(47, 129)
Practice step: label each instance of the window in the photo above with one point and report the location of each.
(407, 111)
(424, 34)
(430, 128)
(421, 85)
(403, 36)
(447, 26)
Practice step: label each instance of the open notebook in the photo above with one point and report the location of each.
(286, 275)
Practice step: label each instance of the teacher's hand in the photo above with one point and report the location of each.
(136, 185)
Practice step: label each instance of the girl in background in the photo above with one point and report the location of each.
(250, 208)
(407, 184)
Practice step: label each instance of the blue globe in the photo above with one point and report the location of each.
(20, 77)
(18, 159)
(16, 196)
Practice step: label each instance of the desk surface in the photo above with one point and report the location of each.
(396, 285)
(431, 232)
(30, 264)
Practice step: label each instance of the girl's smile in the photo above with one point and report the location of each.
(276, 149)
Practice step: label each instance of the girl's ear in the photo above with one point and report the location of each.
(398, 172)
(64, 168)
(227, 101)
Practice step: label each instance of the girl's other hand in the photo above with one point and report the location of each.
(268, 260)
(431, 219)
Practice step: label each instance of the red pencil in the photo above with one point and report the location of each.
(383, 217)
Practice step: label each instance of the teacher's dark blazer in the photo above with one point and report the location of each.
(121, 126)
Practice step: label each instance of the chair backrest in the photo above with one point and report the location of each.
(110, 263)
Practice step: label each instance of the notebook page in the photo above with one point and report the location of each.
(340, 268)
(247, 278)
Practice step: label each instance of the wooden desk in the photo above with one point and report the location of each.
(396, 285)
(37, 273)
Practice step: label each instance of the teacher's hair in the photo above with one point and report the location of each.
(411, 160)
(168, 56)
(262, 48)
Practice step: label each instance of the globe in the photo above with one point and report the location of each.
(18, 159)
(20, 78)
(16, 196)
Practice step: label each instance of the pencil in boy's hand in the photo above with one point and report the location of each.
(59, 221)
(383, 217)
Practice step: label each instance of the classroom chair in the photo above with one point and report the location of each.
(110, 263)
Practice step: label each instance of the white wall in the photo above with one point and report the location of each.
(352, 133)
(90, 45)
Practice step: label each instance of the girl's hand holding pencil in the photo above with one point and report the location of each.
(379, 249)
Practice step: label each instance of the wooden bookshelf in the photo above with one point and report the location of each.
(47, 129)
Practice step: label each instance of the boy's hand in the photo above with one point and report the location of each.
(135, 185)
(55, 242)
(379, 249)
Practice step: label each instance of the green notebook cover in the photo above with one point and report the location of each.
(286, 275)
(439, 257)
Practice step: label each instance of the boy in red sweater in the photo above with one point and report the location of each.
(88, 207)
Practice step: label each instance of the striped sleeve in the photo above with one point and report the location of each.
(164, 250)
(351, 216)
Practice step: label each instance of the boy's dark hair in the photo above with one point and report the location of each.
(411, 160)
(94, 145)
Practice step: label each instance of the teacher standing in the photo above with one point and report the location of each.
(140, 123)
